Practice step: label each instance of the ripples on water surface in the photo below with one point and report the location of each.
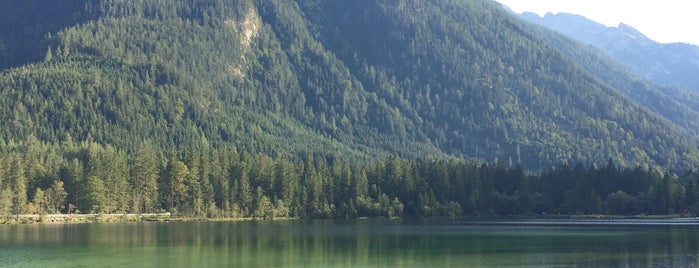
(526, 243)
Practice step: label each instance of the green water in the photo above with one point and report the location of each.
(353, 244)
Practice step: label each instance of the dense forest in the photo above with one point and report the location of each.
(679, 105)
(318, 109)
(362, 79)
(231, 183)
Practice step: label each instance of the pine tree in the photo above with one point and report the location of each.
(6, 200)
(40, 201)
(144, 178)
(48, 56)
(56, 197)
(115, 180)
(18, 184)
(93, 195)
(177, 176)
(286, 186)
(241, 182)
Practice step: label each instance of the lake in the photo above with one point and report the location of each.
(361, 243)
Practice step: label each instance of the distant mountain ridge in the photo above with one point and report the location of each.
(678, 105)
(674, 64)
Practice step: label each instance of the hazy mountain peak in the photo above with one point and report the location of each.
(632, 32)
(664, 64)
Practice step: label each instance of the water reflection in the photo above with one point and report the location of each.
(348, 244)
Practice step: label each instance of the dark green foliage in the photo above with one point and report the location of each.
(266, 187)
(93, 198)
(282, 108)
(26, 27)
(364, 79)
(144, 178)
(677, 105)
(17, 183)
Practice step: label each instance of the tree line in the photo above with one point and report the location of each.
(200, 181)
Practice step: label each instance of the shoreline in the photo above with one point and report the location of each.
(116, 218)
(168, 217)
(82, 218)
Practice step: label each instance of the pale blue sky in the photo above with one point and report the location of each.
(665, 21)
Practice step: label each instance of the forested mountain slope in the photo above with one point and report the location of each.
(360, 79)
(27, 26)
(674, 64)
(678, 105)
(490, 91)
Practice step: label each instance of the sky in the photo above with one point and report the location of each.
(664, 21)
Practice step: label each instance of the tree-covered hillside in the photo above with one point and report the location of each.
(27, 26)
(676, 104)
(672, 64)
(478, 83)
(360, 78)
(154, 104)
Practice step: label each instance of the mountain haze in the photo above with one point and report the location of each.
(665, 64)
(357, 79)
(676, 104)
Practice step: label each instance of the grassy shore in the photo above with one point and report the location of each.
(167, 217)
(83, 218)
(97, 218)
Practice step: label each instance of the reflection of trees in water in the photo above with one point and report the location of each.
(363, 243)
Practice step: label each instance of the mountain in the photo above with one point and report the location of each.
(353, 79)
(675, 104)
(665, 64)
(24, 38)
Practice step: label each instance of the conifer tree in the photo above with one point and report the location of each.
(144, 178)
(93, 195)
(56, 197)
(18, 184)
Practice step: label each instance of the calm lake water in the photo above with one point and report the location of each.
(583, 243)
